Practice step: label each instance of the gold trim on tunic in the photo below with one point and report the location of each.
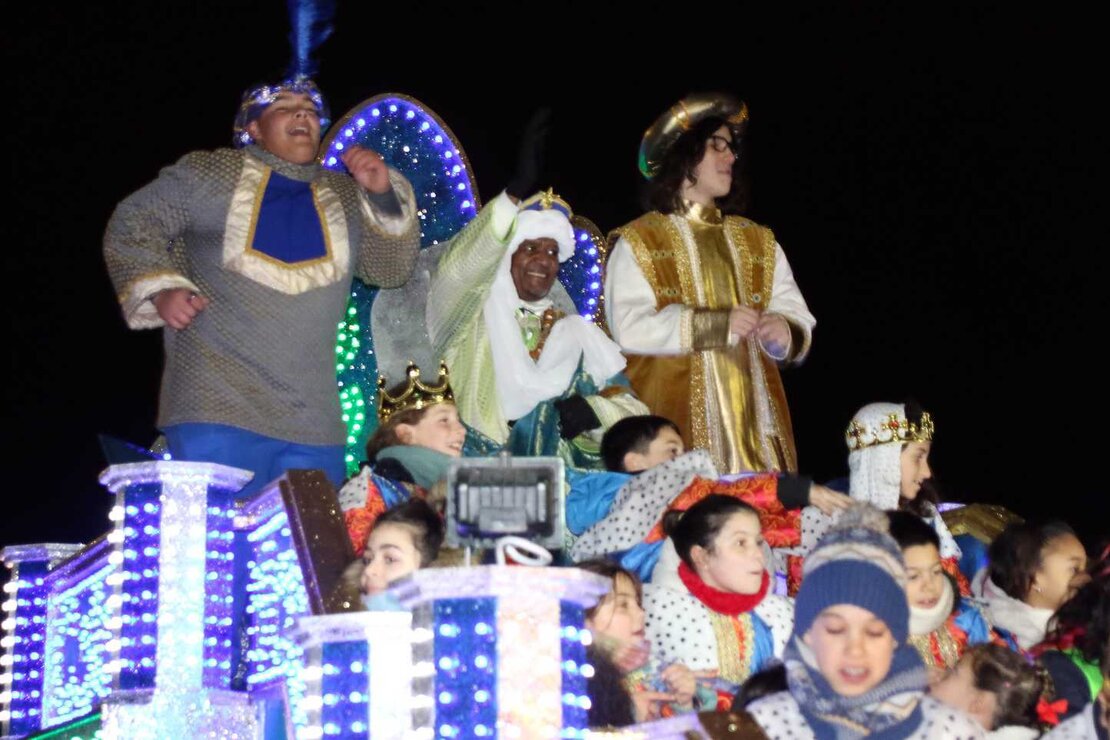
(940, 640)
(730, 386)
(292, 278)
(735, 641)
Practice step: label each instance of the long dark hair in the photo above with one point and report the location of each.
(925, 502)
(663, 192)
(610, 703)
(770, 680)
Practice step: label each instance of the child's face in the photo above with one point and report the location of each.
(924, 576)
(956, 688)
(439, 429)
(666, 446)
(619, 617)
(390, 554)
(853, 648)
(915, 468)
(1062, 571)
(735, 561)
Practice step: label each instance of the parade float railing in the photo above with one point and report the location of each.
(174, 623)
(202, 615)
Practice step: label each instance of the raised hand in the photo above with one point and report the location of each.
(367, 168)
(530, 155)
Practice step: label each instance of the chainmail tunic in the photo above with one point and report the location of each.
(258, 358)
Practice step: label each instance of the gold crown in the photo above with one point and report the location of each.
(416, 395)
(892, 429)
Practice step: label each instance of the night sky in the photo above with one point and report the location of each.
(933, 177)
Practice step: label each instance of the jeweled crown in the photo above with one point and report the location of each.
(894, 428)
(416, 395)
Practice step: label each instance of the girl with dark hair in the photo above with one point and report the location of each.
(617, 623)
(724, 618)
(942, 623)
(404, 539)
(1078, 640)
(1034, 569)
(702, 300)
(1002, 691)
(401, 540)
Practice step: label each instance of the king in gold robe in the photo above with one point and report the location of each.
(670, 285)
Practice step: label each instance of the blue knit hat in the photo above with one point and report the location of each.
(856, 562)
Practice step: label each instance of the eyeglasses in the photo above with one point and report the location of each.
(720, 144)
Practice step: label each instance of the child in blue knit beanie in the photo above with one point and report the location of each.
(850, 671)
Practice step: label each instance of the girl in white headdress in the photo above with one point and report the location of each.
(888, 463)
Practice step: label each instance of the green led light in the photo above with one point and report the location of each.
(86, 728)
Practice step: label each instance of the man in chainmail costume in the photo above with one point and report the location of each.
(244, 257)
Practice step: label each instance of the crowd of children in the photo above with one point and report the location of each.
(878, 638)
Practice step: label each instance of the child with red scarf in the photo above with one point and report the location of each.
(720, 615)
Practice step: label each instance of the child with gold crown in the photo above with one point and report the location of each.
(888, 463)
(418, 436)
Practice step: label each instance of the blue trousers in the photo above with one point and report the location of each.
(266, 457)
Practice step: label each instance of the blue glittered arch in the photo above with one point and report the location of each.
(582, 274)
(413, 140)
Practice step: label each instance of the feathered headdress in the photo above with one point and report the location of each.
(310, 24)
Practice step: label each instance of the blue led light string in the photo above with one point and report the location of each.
(573, 638)
(276, 596)
(78, 638)
(465, 655)
(581, 274)
(219, 595)
(345, 689)
(141, 541)
(27, 650)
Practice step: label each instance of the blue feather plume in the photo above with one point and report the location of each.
(310, 24)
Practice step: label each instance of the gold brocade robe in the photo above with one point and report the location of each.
(728, 399)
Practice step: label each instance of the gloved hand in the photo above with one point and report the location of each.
(575, 416)
(530, 155)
